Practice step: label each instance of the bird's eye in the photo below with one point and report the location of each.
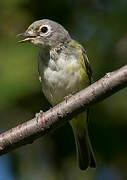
(44, 29)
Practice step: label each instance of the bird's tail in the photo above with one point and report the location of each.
(84, 150)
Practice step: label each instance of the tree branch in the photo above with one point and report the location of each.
(31, 130)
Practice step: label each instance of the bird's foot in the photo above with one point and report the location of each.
(37, 115)
(67, 97)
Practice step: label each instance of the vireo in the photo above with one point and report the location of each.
(64, 69)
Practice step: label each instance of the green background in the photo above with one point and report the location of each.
(100, 26)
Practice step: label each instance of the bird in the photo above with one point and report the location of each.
(64, 69)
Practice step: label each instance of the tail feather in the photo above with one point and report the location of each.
(84, 152)
(84, 149)
(92, 160)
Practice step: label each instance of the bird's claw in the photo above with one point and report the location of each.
(67, 97)
(37, 115)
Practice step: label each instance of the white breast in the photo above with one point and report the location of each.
(61, 78)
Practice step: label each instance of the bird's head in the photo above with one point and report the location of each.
(44, 33)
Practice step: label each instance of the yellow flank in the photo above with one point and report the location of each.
(83, 71)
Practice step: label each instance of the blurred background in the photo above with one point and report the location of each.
(100, 26)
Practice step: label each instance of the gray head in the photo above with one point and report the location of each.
(45, 33)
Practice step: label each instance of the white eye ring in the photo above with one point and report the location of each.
(45, 30)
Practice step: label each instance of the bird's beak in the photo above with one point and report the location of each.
(27, 36)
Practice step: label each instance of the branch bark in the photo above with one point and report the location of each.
(31, 130)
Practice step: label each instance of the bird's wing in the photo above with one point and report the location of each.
(89, 72)
(87, 64)
(82, 53)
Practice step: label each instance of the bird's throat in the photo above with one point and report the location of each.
(44, 54)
